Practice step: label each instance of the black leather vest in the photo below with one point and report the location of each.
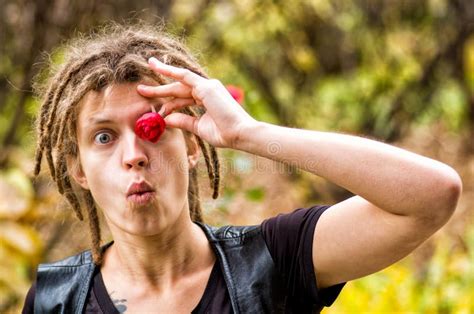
(249, 272)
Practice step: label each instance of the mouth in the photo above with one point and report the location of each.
(140, 193)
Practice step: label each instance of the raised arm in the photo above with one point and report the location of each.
(401, 198)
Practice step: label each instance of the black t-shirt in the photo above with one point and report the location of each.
(289, 238)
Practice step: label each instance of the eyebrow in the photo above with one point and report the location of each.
(92, 122)
(98, 120)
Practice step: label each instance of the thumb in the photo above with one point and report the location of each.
(182, 121)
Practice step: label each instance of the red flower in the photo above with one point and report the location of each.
(150, 126)
(236, 92)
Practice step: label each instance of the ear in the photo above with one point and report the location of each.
(192, 150)
(75, 169)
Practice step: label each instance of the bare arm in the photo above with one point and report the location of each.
(401, 197)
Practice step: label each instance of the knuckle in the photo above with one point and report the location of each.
(186, 72)
(210, 84)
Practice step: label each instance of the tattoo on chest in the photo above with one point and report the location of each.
(120, 304)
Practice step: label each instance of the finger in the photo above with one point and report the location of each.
(176, 104)
(183, 75)
(182, 121)
(175, 89)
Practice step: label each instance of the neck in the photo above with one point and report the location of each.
(160, 260)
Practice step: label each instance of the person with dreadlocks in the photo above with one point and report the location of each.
(163, 257)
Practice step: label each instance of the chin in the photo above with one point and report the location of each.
(139, 219)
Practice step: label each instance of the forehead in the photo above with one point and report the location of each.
(114, 97)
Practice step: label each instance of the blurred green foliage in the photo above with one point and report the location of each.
(377, 68)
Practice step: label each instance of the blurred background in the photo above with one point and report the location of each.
(401, 72)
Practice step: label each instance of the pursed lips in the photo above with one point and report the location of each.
(140, 193)
(139, 188)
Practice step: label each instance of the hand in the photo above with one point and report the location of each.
(224, 118)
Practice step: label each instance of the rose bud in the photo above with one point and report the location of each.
(236, 92)
(150, 126)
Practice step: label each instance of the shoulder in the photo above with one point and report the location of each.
(294, 221)
(83, 258)
(229, 232)
(64, 284)
(80, 259)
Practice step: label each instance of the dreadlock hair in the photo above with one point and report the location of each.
(115, 54)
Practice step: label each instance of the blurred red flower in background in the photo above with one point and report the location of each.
(236, 92)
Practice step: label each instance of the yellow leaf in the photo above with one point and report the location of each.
(23, 239)
(16, 194)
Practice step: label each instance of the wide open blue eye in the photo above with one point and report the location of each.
(102, 138)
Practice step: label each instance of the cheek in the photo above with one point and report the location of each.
(173, 173)
(100, 180)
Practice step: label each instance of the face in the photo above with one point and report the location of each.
(112, 157)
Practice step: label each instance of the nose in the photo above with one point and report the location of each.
(134, 154)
